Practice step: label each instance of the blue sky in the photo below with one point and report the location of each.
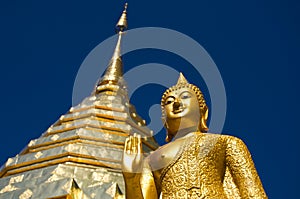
(254, 44)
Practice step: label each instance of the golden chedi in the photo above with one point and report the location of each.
(79, 156)
(195, 163)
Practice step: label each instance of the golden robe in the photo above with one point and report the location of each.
(209, 166)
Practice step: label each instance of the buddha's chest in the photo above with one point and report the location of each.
(197, 148)
(165, 155)
(190, 157)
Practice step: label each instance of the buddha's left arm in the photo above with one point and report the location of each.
(240, 163)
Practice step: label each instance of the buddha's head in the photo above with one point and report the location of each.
(183, 107)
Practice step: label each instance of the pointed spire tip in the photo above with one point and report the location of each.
(181, 79)
(125, 7)
(114, 70)
(122, 23)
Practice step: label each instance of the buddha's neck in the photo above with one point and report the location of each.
(183, 132)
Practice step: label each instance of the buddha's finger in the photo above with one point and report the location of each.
(134, 146)
(139, 144)
(130, 145)
(126, 146)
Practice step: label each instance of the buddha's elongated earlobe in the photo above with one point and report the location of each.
(203, 121)
(203, 126)
(164, 121)
(169, 137)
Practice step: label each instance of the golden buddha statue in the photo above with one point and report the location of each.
(195, 163)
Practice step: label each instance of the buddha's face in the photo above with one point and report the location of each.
(181, 109)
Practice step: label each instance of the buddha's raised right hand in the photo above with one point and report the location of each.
(132, 156)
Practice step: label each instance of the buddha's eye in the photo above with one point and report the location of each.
(185, 95)
(169, 100)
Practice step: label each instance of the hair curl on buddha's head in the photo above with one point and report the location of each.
(183, 83)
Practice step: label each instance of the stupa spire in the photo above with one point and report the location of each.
(114, 71)
(181, 80)
(79, 156)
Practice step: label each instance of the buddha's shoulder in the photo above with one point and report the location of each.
(222, 137)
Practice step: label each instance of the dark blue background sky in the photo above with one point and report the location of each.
(254, 44)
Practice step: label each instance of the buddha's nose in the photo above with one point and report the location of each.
(176, 104)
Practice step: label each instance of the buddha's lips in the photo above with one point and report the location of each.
(179, 110)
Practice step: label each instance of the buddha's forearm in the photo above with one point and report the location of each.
(132, 186)
(133, 190)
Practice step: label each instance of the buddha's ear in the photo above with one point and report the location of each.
(168, 138)
(164, 121)
(203, 120)
(206, 113)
